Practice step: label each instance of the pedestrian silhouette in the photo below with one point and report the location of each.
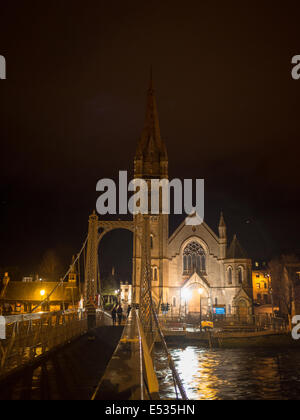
(114, 315)
(120, 314)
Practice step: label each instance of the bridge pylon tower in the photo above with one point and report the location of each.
(91, 268)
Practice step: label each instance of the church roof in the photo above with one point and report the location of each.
(150, 145)
(236, 251)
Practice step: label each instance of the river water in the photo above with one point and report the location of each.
(237, 374)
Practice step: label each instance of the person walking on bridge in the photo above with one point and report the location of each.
(120, 314)
(128, 310)
(114, 316)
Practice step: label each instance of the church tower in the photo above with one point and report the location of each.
(151, 162)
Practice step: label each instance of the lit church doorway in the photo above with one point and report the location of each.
(195, 297)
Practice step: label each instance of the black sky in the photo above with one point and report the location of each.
(73, 104)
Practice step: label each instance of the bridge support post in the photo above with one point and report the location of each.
(91, 270)
(91, 316)
(145, 282)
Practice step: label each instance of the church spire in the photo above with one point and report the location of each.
(222, 221)
(222, 236)
(151, 150)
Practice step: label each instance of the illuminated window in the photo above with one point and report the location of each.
(151, 241)
(194, 258)
(258, 285)
(154, 273)
(229, 274)
(240, 275)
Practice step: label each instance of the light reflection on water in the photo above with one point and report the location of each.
(222, 374)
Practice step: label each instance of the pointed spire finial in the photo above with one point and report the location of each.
(151, 79)
(222, 220)
(151, 131)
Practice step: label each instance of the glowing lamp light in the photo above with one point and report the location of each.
(200, 291)
(186, 294)
(42, 293)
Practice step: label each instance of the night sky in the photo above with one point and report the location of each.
(73, 105)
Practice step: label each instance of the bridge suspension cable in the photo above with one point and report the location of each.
(148, 312)
(59, 283)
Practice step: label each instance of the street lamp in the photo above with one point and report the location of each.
(43, 293)
(117, 293)
(200, 291)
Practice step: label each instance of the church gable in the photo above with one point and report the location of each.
(241, 295)
(184, 233)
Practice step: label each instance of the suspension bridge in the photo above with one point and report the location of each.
(77, 353)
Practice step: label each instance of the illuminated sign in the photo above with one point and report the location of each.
(219, 311)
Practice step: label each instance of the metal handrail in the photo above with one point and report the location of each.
(175, 374)
(30, 336)
(146, 364)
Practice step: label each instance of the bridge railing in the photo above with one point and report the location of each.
(149, 382)
(130, 374)
(31, 336)
(156, 326)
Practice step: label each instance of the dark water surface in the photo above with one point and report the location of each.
(237, 374)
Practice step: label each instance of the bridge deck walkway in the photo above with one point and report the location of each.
(70, 373)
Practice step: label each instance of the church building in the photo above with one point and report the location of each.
(193, 264)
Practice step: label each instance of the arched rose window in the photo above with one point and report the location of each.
(194, 260)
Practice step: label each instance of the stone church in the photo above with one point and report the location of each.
(195, 261)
